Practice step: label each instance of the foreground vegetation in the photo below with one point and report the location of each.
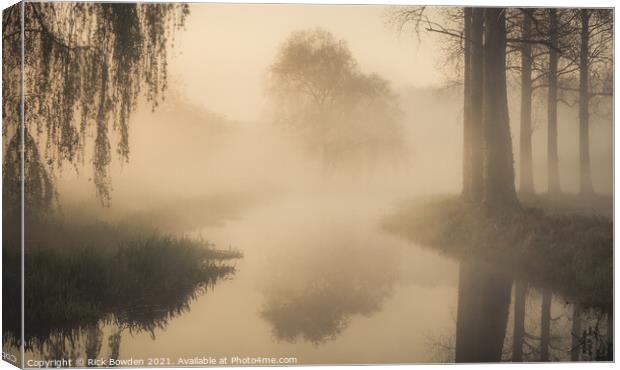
(137, 284)
(570, 252)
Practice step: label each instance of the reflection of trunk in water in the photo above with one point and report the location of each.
(576, 333)
(93, 341)
(114, 342)
(519, 321)
(545, 325)
(483, 303)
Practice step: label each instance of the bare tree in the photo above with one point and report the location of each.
(553, 174)
(488, 173)
(477, 155)
(595, 34)
(526, 178)
(467, 105)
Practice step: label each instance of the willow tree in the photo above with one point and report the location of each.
(84, 68)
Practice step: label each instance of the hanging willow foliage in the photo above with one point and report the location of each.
(85, 67)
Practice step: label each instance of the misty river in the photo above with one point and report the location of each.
(322, 282)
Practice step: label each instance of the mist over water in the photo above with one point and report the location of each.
(321, 278)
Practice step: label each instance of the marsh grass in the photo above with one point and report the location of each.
(570, 252)
(111, 274)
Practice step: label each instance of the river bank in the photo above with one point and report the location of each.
(549, 242)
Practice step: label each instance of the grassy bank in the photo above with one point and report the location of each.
(136, 281)
(570, 252)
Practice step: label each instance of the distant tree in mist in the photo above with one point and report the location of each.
(553, 178)
(588, 53)
(341, 113)
(552, 32)
(570, 60)
(85, 67)
(473, 103)
(526, 50)
(595, 78)
(566, 53)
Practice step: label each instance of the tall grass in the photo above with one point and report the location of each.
(112, 274)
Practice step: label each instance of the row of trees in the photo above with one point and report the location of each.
(81, 58)
(568, 53)
(563, 52)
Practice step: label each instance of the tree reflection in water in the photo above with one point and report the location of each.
(140, 287)
(482, 313)
(499, 319)
(325, 288)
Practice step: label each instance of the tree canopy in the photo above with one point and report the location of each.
(320, 90)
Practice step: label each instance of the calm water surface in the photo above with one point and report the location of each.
(322, 282)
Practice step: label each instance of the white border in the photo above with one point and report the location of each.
(522, 3)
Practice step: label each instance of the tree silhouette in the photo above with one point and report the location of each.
(590, 49)
(343, 113)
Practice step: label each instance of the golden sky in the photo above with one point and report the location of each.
(222, 56)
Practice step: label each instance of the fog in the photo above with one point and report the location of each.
(227, 72)
(185, 150)
(214, 133)
(223, 159)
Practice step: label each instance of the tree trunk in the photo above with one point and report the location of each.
(584, 98)
(499, 182)
(519, 325)
(552, 107)
(526, 178)
(467, 134)
(476, 91)
(482, 312)
(545, 325)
